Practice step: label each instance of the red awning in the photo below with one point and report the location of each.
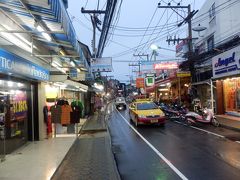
(150, 89)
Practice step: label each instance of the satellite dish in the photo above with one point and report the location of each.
(199, 28)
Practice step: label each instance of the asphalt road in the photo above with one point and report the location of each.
(175, 151)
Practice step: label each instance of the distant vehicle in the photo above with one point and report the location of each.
(120, 103)
(146, 112)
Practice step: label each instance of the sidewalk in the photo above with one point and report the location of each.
(90, 157)
(229, 122)
(36, 160)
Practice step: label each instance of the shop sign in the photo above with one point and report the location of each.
(102, 65)
(181, 48)
(183, 74)
(139, 82)
(166, 66)
(150, 80)
(11, 63)
(227, 63)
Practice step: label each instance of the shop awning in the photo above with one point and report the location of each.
(46, 24)
(150, 89)
(64, 80)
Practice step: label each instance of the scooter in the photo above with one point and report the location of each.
(204, 116)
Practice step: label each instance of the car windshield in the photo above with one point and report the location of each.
(146, 106)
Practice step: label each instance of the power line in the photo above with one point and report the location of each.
(154, 30)
(147, 28)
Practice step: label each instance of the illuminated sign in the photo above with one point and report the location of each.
(183, 74)
(140, 82)
(12, 63)
(227, 63)
(165, 66)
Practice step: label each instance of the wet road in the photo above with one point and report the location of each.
(174, 151)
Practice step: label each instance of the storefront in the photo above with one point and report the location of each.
(18, 99)
(63, 107)
(226, 71)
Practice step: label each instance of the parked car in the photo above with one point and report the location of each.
(120, 103)
(146, 112)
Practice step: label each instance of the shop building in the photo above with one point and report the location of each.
(226, 72)
(216, 33)
(19, 80)
(37, 41)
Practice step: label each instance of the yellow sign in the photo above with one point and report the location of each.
(183, 74)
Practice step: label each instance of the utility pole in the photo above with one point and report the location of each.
(140, 55)
(188, 20)
(139, 66)
(95, 23)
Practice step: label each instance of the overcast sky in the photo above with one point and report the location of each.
(136, 22)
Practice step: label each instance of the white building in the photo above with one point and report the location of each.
(217, 54)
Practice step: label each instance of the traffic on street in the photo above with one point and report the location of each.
(174, 151)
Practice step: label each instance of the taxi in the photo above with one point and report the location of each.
(146, 112)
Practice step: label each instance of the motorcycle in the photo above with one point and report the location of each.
(204, 116)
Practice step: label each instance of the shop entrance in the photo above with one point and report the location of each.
(231, 90)
(13, 115)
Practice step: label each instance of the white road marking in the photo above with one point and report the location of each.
(155, 150)
(209, 132)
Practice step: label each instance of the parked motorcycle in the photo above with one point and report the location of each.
(204, 116)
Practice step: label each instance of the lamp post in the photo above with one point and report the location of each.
(154, 47)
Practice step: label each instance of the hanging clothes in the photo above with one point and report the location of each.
(75, 115)
(79, 106)
(56, 113)
(65, 116)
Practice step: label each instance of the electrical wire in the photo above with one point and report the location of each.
(132, 49)
(147, 28)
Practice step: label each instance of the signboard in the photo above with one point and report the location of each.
(102, 65)
(181, 48)
(227, 63)
(75, 75)
(150, 80)
(165, 66)
(11, 63)
(140, 82)
(183, 74)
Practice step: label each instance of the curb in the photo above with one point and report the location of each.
(230, 127)
(112, 154)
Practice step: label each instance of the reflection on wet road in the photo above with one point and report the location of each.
(174, 151)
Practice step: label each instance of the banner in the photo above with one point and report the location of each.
(102, 65)
(140, 82)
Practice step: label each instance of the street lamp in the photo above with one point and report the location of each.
(155, 47)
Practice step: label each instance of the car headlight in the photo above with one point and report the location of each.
(141, 116)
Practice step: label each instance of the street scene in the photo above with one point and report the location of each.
(114, 89)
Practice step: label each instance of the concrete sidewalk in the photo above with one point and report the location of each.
(36, 160)
(229, 122)
(88, 156)
(91, 156)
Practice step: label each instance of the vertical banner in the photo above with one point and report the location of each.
(140, 82)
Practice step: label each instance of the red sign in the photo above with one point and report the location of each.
(140, 82)
(165, 66)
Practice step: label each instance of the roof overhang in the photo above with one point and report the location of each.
(72, 84)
